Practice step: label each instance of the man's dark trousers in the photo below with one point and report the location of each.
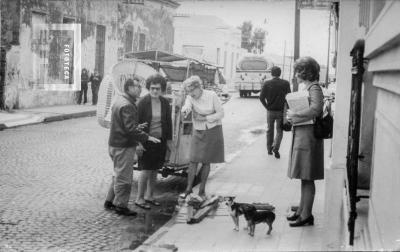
(274, 119)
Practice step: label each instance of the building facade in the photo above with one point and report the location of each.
(376, 26)
(108, 29)
(210, 39)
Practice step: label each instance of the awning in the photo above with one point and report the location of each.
(161, 56)
(155, 56)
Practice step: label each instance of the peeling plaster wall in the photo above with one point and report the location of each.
(22, 90)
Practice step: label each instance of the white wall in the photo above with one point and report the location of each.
(383, 51)
(335, 174)
(210, 38)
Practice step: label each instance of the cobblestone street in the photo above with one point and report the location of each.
(54, 177)
(53, 181)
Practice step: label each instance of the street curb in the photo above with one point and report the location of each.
(53, 118)
(69, 116)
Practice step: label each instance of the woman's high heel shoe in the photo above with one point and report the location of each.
(185, 194)
(293, 217)
(299, 222)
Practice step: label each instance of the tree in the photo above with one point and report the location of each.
(246, 29)
(259, 39)
(252, 40)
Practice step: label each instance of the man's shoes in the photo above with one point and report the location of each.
(124, 211)
(108, 205)
(270, 150)
(277, 155)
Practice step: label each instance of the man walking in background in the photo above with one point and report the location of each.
(272, 97)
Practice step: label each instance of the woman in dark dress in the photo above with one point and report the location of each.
(154, 111)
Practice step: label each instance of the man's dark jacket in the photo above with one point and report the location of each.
(274, 91)
(95, 80)
(124, 121)
(145, 115)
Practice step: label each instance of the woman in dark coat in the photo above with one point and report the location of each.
(154, 112)
(306, 160)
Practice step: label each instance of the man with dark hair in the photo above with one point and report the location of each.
(272, 97)
(125, 134)
(95, 80)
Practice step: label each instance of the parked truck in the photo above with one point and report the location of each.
(251, 72)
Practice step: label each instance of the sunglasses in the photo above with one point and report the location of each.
(155, 88)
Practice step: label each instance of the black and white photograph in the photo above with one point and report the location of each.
(199, 125)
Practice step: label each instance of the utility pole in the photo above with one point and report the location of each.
(284, 56)
(296, 41)
(329, 48)
(290, 66)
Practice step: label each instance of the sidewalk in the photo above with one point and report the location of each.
(253, 176)
(22, 117)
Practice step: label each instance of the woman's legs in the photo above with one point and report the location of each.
(142, 184)
(151, 181)
(308, 194)
(301, 205)
(192, 171)
(205, 170)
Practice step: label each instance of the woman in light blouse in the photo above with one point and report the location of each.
(207, 144)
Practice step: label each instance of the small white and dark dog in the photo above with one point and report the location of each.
(251, 214)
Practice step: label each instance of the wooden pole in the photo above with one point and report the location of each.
(284, 56)
(329, 48)
(296, 41)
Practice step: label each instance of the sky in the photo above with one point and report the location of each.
(274, 16)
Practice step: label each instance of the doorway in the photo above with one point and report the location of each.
(100, 48)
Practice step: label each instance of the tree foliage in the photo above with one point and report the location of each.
(253, 41)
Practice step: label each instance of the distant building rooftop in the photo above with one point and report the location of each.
(188, 20)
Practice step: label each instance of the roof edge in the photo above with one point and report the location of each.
(171, 3)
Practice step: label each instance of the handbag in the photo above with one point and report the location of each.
(287, 126)
(323, 125)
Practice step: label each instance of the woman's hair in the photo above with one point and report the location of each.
(307, 68)
(156, 79)
(131, 82)
(192, 82)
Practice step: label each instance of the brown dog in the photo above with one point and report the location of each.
(251, 215)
